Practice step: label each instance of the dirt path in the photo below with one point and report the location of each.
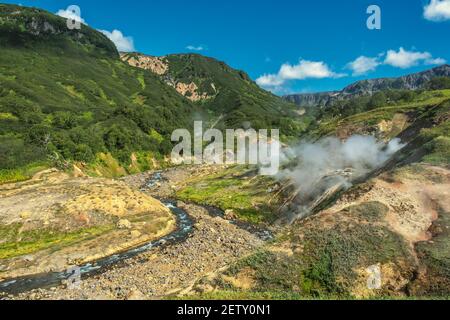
(214, 243)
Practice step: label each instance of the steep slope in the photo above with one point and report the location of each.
(367, 87)
(387, 236)
(227, 95)
(66, 94)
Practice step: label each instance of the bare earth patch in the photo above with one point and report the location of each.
(157, 65)
(412, 201)
(54, 221)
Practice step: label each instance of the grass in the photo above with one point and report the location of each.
(105, 165)
(229, 191)
(439, 151)
(375, 116)
(264, 295)
(8, 116)
(325, 266)
(20, 174)
(15, 243)
(438, 137)
(436, 257)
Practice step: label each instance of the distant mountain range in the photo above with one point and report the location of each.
(409, 82)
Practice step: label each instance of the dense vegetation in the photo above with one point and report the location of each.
(348, 107)
(234, 97)
(74, 100)
(66, 96)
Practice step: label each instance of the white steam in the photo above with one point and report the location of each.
(331, 162)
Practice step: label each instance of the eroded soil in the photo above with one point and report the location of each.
(55, 221)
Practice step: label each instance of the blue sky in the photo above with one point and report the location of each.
(288, 46)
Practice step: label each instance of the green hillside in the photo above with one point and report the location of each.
(65, 96)
(229, 97)
(67, 92)
(234, 94)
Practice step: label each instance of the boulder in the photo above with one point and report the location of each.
(135, 234)
(124, 224)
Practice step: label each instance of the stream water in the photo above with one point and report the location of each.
(52, 279)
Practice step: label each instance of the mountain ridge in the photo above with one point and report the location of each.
(412, 81)
(66, 97)
(223, 92)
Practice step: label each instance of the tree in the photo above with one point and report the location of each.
(64, 120)
(439, 83)
(378, 100)
(40, 135)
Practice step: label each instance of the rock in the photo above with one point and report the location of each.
(230, 214)
(124, 224)
(135, 234)
(410, 82)
(77, 173)
(28, 258)
(25, 215)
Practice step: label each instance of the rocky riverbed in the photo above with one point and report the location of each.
(213, 244)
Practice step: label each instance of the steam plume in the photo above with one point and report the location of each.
(331, 164)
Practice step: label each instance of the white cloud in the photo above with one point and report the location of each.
(195, 48)
(68, 14)
(435, 61)
(306, 69)
(269, 80)
(400, 59)
(123, 43)
(437, 10)
(363, 65)
(303, 70)
(405, 59)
